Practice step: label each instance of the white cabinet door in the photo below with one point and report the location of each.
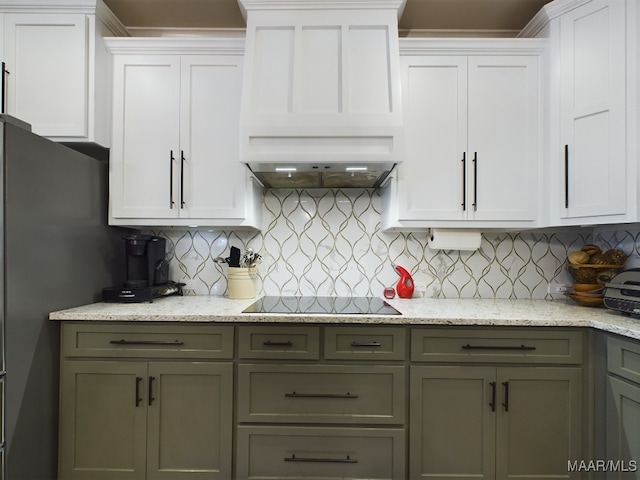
(47, 57)
(592, 110)
(431, 178)
(213, 178)
(146, 144)
(503, 138)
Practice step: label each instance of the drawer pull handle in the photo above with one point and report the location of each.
(497, 347)
(269, 343)
(146, 342)
(370, 344)
(293, 458)
(320, 395)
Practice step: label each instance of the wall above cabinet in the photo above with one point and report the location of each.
(459, 18)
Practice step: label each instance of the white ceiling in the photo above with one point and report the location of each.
(501, 16)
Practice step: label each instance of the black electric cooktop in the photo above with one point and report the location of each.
(322, 305)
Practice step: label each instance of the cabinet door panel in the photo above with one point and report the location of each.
(592, 108)
(539, 426)
(432, 176)
(623, 427)
(452, 425)
(48, 60)
(210, 111)
(503, 137)
(146, 135)
(102, 426)
(190, 426)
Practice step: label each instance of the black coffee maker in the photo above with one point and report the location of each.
(147, 272)
(146, 261)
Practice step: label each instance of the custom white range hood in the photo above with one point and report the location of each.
(321, 102)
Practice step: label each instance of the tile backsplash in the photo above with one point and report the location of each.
(328, 242)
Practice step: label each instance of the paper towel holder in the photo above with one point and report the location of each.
(454, 239)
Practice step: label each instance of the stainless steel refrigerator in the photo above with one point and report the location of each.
(56, 251)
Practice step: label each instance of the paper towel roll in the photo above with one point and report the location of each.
(454, 239)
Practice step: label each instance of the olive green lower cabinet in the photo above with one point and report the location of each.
(479, 418)
(622, 445)
(145, 402)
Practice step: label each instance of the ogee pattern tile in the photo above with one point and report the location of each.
(328, 242)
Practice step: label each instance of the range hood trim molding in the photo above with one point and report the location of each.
(247, 5)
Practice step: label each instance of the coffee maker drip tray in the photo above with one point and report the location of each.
(141, 294)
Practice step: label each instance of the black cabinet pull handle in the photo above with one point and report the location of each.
(171, 160)
(320, 395)
(269, 343)
(493, 396)
(150, 392)
(566, 176)
(146, 342)
(138, 398)
(365, 344)
(497, 347)
(475, 181)
(182, 160)
(5, 72)
(464, 181)
(506, 396)
(293, 458)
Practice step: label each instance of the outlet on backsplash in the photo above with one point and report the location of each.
(554, 288)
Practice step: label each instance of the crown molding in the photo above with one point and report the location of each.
(547, 13)
(175, 45)
(471, 46)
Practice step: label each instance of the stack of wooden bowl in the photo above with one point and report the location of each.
(591, 268)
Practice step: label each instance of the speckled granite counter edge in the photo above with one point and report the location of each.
(448, 312)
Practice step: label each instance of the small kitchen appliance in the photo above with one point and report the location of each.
(146, 261)
(622, 293)
(147, 272)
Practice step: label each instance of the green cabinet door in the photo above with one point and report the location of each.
(103, 421)
(539, 422)
(485, 422)
(622, 429)
(452, 422)
(190, 426)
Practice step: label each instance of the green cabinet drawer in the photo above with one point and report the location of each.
(147, 341)
(461, 345)
(321, 394)
(279, 342)
(623, 358)
(327, 453)
(364, 343)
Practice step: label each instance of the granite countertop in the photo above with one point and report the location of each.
(416, 311)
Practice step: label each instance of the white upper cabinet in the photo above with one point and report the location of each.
(592, 150)
(472, 135)
(59, 70)
(174, 160)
